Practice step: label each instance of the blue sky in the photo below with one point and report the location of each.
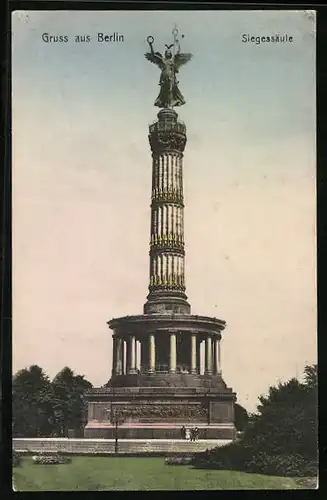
(82, 173)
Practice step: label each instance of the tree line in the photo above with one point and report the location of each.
(281, 438)
(43, 408)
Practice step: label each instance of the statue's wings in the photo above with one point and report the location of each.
(155, 57)
(181, 59)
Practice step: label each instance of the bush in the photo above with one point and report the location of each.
(187, 460)
(16, 459)
(245, 458)
(281, 465)
(232, 456)
(51, 459)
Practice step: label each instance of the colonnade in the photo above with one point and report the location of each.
(125, 354)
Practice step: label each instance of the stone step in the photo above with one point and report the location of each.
(94, 446)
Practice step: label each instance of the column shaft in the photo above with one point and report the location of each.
(114, 355)
(152, 354)
(123, 357)
(173, 360)
(208, 356)
(119, 356)
(215, 357)
(193, 353)
(198, 356)
(136, 356)
(218, 354)
(131, 355)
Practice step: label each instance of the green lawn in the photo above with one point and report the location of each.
(125, 473)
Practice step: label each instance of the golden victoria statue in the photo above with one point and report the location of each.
(169, 95)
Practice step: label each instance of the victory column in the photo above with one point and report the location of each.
(165, 388)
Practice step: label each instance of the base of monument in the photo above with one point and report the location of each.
(160, 412)
(99, 430)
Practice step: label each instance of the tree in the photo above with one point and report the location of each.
(32, 403)
(44, 408)
(311, 377)
(287, 418)
(311, 387)
(281, 438)
(68, 402)
(241, 417)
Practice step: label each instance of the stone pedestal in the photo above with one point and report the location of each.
(169, 390)
(160, 412)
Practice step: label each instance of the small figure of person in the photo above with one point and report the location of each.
(187, 434)
(183, 432)
(196, 433)
(192, 434)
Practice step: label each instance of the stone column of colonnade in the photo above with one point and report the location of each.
(198, 354)
(212, 363)
(131, 358)
(193, 354)
(212, 354)
(123, 364)
(114, 355)
(120, 345)
(217, 356)
(208, 355)
(118, 355)
(172, 353)
(129, 344)
(152, 354)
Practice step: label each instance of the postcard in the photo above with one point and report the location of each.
(164, 250)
